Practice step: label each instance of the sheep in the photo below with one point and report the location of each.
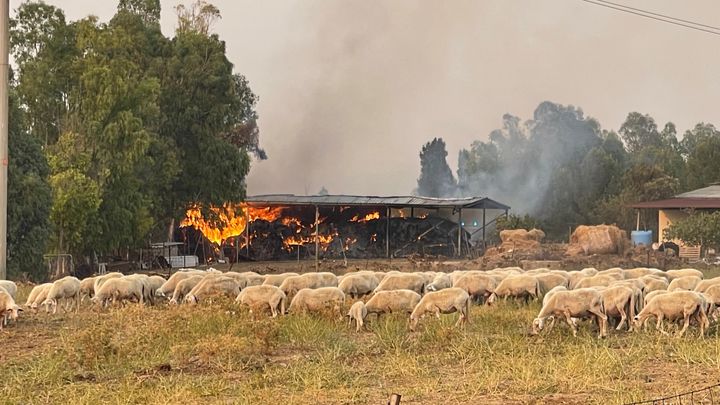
(574, 277)
(440, 282)
(240, 278)
(169, 286)
(600, 280)
(673, 274)
(479, 286)
(277, 279)
(36, 291)
(652, 295)
(548, 281)
(318, 299)
(357, 312)
(674, 305)
(382, 302)
(444, 301)
(254, 278)
(10, 287)
(519, 286)
(620, 301)
(579, 303)
(356, 285)
(653, 283)
(260, 295)
(8, 308)
(402, 281)
(457, 274)
(293, 284)
(380, 275)
(87, 288)
(589, 271)
(66, 288)
(155, 282)
(213, 286)
(704, 285)
(41, 296)
(147, 290)
(184, 286)
(713, 294)
(685, 283)
(119, 289)
(100, 280)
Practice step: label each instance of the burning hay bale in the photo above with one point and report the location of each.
(597, 239)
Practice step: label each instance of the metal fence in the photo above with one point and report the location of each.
(707, 395)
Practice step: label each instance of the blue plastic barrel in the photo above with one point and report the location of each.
(641, 238)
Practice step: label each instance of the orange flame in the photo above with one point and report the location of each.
(368, 217)
(227, 224)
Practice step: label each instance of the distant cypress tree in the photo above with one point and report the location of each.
(436, 178)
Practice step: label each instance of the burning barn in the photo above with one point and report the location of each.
(290, 227)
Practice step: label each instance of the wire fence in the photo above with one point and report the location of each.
(707, 395)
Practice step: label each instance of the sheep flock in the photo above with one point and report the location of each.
(631, 300)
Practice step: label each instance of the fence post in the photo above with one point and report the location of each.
(394, 399)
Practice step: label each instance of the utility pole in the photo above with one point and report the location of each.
(4, 50)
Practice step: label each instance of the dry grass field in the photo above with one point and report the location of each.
(219, 353)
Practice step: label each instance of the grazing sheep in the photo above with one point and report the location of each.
(357, 313)
(10, 287)
(277, 279)
(589, 271)
(145, 281)
(380, 275)
(478, 286)
(41, 296)
(457, 274)
(713, 294)
(119, 289)
(392, 301)
(317, 299)
(293, 284)
(402, 281)
(262, 295)
(653, 283)
(673, 274)
(600, 280)
(649, 296)
(8, 308)
(169, 286)
(67, 288)
(548, 281)
(87, 288)
(155, 282)
(704, 285)
(254, 278)
(519, 286)
(36, 291)
(579, 304)
(444, 301)
(685, 283)
(440, 282)
(356, 285)
(184, 286)
(574, 277)
(100, 280)
(240, 278)
(619, 302)
(213, 286)
(672, 306)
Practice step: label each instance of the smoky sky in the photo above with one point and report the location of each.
(350, 90)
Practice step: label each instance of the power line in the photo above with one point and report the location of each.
(660, 15)
(652, 17)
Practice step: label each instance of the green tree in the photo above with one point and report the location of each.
(436, 178)
(701, 146)
(699, 229)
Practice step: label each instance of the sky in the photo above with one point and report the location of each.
(351, 90)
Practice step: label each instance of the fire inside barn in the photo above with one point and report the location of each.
(290, 227)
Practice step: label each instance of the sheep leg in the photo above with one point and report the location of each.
(569, 321)
(686, 323)
(623, 318)
(659, 325)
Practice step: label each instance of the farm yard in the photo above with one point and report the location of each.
(220, 353)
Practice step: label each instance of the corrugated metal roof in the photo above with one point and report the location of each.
(680, 203)
(708, 192)
(394, 201)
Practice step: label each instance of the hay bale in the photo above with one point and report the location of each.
(521, 235)
(598, 239)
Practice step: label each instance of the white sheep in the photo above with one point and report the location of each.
(100, 280)
(402, 281)
(155, 282)
(293, 284)
(357, 285)
(393, 301)
(263, 295)
(548, 281)
(518, 286)
(41, 296)
(684, 283)
(444, 301)
(653, 283)
(673, 274)
(144, 279)
(318, 299)
(674, 305)
(479, 286)
(10, 287)
(277, 279)
(213, 286)
(578, 304)
(184, 286)
(37, 290)
(357, 313)
(68, 289)
(119, 289)
(599, 280)
(619, 301)
(8, 308)
(169, 286)
(87, 288)
(439, 282)
(254, 278)
(704, 285)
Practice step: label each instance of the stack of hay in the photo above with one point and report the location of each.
(597, 239)
(518, 241)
